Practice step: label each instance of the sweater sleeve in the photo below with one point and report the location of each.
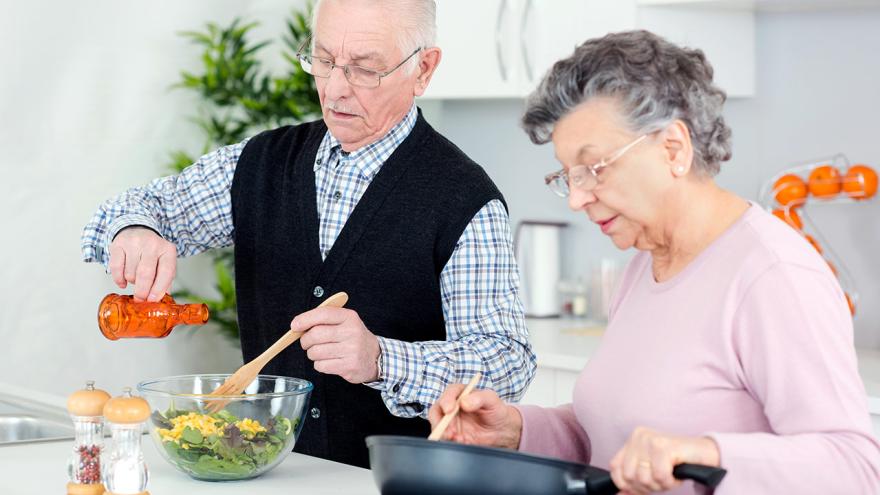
(554, 432)
(792, 338)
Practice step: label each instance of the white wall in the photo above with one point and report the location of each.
(85, 111)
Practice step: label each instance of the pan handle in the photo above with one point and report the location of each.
(602, 484)
(705, 475)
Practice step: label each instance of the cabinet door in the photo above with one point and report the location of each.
(565, 382)
(551, 29)
(542, 390)
(479, 50)
(727, 37)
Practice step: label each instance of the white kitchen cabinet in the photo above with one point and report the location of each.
(726, 36)
(478, 40)
(551, 387)
(542, 391)
(501, 48)
(551, 29)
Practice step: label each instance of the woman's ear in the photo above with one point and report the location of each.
(678, 149)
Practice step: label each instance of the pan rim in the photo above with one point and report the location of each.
(477, 449)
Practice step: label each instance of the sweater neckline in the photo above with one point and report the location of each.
(701, 258)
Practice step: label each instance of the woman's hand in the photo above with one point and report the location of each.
(484, 419)
(645, 463)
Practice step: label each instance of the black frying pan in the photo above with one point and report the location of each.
(412, 465)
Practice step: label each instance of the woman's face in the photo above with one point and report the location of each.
(627, 198)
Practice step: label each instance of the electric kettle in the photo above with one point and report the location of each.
(537, 249)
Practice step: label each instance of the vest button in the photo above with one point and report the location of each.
(316, 413)
(318, 291)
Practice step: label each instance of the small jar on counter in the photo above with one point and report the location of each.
(125, 472)
(84, 468)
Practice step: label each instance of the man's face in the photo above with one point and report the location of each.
(360, 32)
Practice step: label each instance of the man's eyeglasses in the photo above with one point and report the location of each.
(354, 74)
(584, 177)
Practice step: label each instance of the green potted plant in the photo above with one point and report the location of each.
(239, 98)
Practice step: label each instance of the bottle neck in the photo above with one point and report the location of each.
(192, 314)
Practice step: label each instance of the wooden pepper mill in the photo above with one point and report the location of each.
(84, 468)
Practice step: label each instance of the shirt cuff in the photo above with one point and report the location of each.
(403, 371)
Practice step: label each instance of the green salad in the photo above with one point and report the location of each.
(220, 445)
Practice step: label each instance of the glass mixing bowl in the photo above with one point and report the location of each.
(249, 436)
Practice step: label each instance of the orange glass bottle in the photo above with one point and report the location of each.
(120, 317)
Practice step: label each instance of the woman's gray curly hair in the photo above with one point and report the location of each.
(656, 81)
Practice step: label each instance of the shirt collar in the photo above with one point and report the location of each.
(368, 159)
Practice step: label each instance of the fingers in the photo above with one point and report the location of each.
(320, 316)
(129, 271)
(165, 272)
(661, 463)
(616, 465)
(330, 367)
(441, 405)
(644, 464)
(323, 352)
(117, 265)
(145, 274)
(480, 399)
(141, 257)
(447, 399)
(320, 334)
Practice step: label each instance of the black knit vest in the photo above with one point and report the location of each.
(388, 258)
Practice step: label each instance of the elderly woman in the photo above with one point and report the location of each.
(729, 342)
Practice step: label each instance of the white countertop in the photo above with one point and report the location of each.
(41, 469)
(566, 344)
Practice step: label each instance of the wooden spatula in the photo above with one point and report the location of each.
(437, 432)
(237, 381)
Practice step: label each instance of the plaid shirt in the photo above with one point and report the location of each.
(485, 326)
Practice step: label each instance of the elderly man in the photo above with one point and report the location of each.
(371, 201)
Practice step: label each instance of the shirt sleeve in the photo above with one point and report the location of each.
(554, 432)
(192, 210)
(793, 339)
(485, 325)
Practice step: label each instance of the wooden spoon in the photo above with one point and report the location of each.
(237, 381)
(437, 432)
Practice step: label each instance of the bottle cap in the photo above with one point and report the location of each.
(126, 409)
(88, 401)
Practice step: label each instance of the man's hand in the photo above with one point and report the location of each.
(141, 257)
(339, 343)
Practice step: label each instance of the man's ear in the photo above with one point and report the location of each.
(678, 149)
(429, 59)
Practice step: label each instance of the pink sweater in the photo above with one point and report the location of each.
(752, 345)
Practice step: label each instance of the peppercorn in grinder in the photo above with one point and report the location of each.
(84, 468)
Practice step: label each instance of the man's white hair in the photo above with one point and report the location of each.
(416, 20)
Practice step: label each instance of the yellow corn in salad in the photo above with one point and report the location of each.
(206, 425)
(251, 426)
